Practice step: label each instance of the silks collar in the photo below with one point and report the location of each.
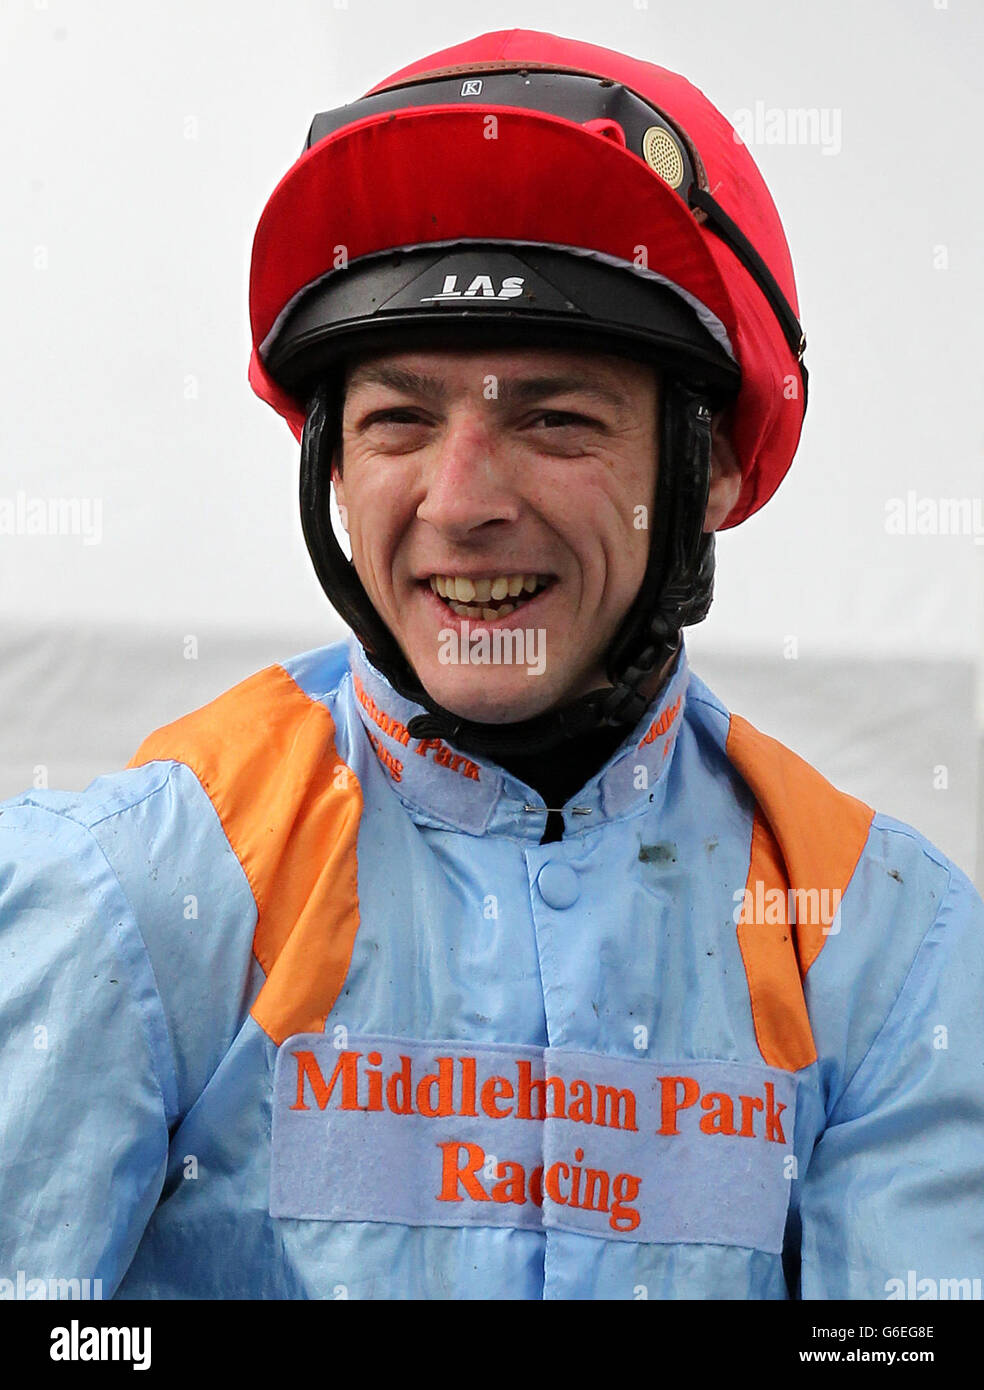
(446, 788)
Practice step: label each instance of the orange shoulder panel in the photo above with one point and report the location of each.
(807, 838)
(265, 754)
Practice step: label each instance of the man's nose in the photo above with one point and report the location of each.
(469, 483)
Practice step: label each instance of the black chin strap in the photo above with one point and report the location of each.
(676, 589)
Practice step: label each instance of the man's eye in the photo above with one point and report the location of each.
(397, 415)
(560, 418)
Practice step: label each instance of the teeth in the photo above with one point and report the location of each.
(477, 612)
(460, 591)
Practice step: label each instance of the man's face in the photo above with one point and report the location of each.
(490, 468)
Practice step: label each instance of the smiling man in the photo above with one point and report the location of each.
(414, 969)
(505, 491)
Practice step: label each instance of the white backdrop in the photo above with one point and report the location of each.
(139, 144)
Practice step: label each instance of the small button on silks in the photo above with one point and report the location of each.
(558, 885)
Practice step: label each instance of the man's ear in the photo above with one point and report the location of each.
(725, 472)
(338, 484)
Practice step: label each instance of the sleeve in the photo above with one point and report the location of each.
(87, 1084)
(892, 1203)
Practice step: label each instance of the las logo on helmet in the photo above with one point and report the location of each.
(482, 285)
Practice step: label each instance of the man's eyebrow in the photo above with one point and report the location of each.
(399, 378)
(511, 390)
(521, 390)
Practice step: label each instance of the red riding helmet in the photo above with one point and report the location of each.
(525, 188)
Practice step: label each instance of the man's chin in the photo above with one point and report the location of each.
(489, 702)
(492, 696)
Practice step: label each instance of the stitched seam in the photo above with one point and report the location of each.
(170, 1111)
(894, 1004)
(90, 825)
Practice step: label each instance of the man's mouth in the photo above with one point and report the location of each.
(489, 598)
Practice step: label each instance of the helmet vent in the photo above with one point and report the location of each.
(662, 153)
